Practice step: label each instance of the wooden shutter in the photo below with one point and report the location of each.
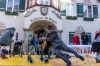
(80, 9)
(63, 9)
(2, 4)
(22, 5)
(95, 11)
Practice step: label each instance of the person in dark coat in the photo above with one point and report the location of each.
(58, 45)
(6, 40)
(84, 39)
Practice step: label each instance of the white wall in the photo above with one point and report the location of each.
(10, 21)
(89, 26)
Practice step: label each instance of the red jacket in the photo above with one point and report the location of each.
(76, 41)
(97, 34)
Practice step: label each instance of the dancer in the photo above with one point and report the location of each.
(58, 45)
(96, 46)
(6, 40)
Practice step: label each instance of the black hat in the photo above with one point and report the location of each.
(13, 28)
(49, 27)
(83, 32)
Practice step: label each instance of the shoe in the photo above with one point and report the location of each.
(97, 61)
(68, 56)
(82, 58)
(96, 58)
(50, 58)
(3, 56)
(68, 64)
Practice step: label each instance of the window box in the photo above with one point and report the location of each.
(71, 17)
(11, 13)
(88, 19)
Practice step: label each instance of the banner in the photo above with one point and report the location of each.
(82, 50)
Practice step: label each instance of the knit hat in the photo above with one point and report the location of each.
(49, 27)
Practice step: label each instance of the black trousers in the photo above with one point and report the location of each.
(67, 49)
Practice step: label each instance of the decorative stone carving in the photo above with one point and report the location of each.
(28, 13)
(25, 46)
(87, 2)
(59, 16)
(2, 28)
(79, 30)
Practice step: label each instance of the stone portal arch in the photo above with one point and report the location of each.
(2, 28)
(36, 26)
(40, 24)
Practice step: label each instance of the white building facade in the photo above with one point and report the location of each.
(67, 16)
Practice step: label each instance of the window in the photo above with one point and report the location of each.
(41, 2)
(55, 3)
(30, 3)
(16, 5)
(47, 2)
(88, 11)
(9, 5)
(44, 2)
(70, 10)
(12, 5)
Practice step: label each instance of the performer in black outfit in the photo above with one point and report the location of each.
(58, 45)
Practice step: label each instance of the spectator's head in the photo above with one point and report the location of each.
(76, 35)
(36, 35)
(83, 33)
(40, 35)
(96, 32)
(17, 34)
(49, 28)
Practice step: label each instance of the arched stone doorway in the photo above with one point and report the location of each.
(2, 28)
(40, 26)
(35, 27)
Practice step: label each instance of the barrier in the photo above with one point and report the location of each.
(82, 50)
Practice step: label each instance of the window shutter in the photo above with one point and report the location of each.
(22, 5)
(2, 4)
(63, 9)
(80, 9)
(95, 11)
(71, 35)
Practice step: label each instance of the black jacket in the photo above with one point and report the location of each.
(84, 39)
(56, 40)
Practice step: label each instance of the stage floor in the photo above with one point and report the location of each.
(17, 61)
